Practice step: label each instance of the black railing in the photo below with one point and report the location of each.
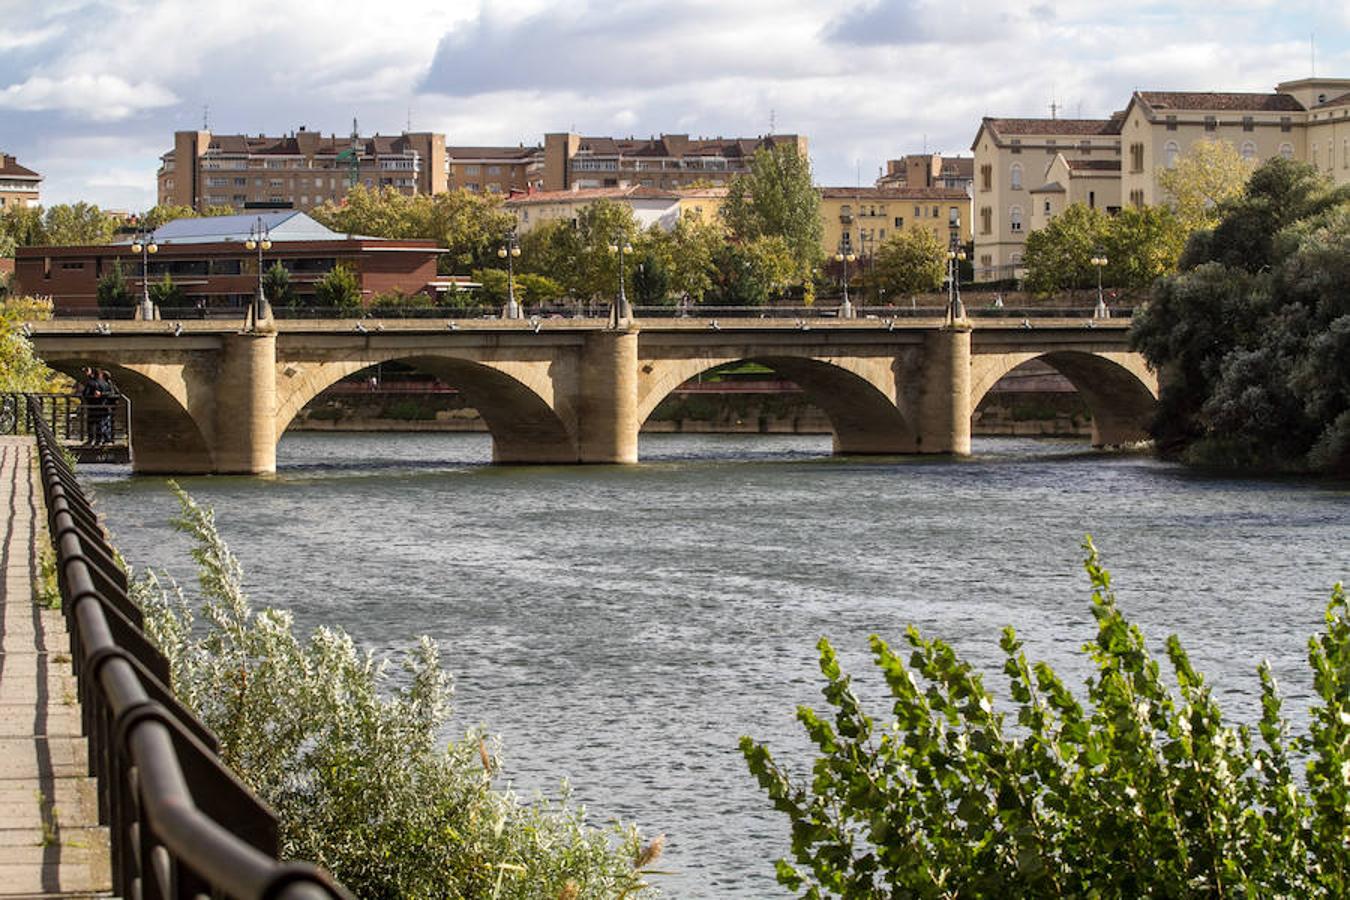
(73, 421)
(181, 825)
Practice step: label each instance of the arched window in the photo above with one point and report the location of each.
(1015, 259)
(1015, 219)
(1171, 150)
(1287, 151)
(1015, 176)
(1248, 150)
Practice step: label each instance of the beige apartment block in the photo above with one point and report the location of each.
(296, 171)
(18, 184)
(667, 162)
(933, 170)
(1075, 160)
(866, 216)
(495, 170)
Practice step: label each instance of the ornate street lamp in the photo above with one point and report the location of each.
(956, 311)
(260, 239)
(1099, 262)
(622, 312)
(144, 244)
(509, 251)
(845, 255)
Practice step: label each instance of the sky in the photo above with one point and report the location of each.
(91, 92)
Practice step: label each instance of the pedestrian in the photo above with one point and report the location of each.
(110, 394)
(89, 400)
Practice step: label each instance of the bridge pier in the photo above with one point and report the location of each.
(607, 426)
(246, 398)
(944, 406)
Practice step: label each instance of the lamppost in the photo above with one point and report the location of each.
(845, 255)
(509, 251)
(622, 312)
(1099, 262)
(144, 244)
(260, 239)
(956, 311)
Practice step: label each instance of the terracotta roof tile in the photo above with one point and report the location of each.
(1206, 100)
(11, 169)
(1054, 126)
(583, 195)
(891, 193)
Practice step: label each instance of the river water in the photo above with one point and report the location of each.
(623, 626)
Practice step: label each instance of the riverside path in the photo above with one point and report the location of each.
(51, 844)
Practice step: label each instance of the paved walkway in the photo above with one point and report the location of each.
(51, 844)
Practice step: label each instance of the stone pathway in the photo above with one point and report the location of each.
(51, 844)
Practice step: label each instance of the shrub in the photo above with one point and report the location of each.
(1145, 792)
(353, 767)
(340, 287)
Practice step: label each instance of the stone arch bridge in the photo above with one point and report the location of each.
(214, 399)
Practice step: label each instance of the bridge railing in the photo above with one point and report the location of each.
(72, 420)
(600, 309)
(181, 825)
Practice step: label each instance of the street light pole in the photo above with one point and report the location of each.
(509, 251)
(144, 244)
(622, 312)
(1099, 262)
(260, 239)
(845, 255)
(956, 310)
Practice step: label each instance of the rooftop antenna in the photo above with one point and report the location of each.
(1312, 54)
(773, 120)
(206, 117)
(408, 126)
(1054, 108)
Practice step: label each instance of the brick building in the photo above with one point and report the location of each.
(207, 258)
(666, 162)
(495, 170)
(18, 184)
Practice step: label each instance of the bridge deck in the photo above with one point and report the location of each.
(51, 844)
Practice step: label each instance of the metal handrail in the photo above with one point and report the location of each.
(181, 825)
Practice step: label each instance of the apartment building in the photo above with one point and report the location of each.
(929, 170)
(18, 184)
(866, 216)
(1029, 170)
(495, 170)
(296, 171)
(666, 162)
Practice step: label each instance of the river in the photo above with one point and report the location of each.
(623, 626)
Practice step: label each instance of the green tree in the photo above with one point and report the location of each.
(910, 262)
(538, 289)
(1059, 256)
(167, 294)
(113, 291)
(68, 224)
(600, 225)
(753, 273)
(165, 212)
(552, 249)
(1142, 245)
(353, 761)
(1204, 178)
(495, 286)
(1141, 791)
(1252, 334)
(651, 280)
(277, 285)
(20, 368)
(340, 287)
(689, 251)
(776, 198)
(22, 225)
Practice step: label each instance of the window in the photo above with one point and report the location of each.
(1211, 123)
(1047, 207)
(986, 176)
(1016, 144)
(241, 182)
(1171, 123)
(1286, 123)
(918, 212)
(1248, 124)
(1014, 259)
(1136, 157)
(986, 220)
(1137, 198)
(1287, 151)
(1171, 150)
(494, 170)
(72, 265)
(275, 182)
(936, 213)
(1015, 220)
(1345, 153)
(1015, 177)
(883, 234)
(954, 215)
(217, 182)
(1248, 150)
(899, 221)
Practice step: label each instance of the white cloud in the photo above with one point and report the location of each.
(102, 98)
(16, 40)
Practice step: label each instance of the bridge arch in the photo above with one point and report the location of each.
(1119, 389)
(862, 396)
(528, 420)
(166, 433)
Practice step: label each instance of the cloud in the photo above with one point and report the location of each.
(100, 97)
(906, 22)
(17, 40)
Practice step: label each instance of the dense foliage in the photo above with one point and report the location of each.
(352, 764)
(64, 224)
(776, 199)
(1205, 177)
(1143, 791)
(339, 287)
(909, 262)
(113, 291)
(1253, 335)
(20, 368)
(1140, 245)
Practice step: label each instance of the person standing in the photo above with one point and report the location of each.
(107, 401)
(89, 403)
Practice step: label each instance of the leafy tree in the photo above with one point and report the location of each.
(166, 212)
(600, 225)
(910, 262)
(495, 286)
(166, 294)
(1253, 334)
(277, 285)
(753, 273)
(538, 289)
(113, 291)
(776, 198)
(552, 249)
(688, 253)
(22, 225)
(69, 224)
(354, 766)
(1142, 245)
(339, 287)
(1205, 177)
(1059, 256)
(651, 280)
(20, 368)
(1142, 791)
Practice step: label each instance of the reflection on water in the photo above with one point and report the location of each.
(623, 626)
